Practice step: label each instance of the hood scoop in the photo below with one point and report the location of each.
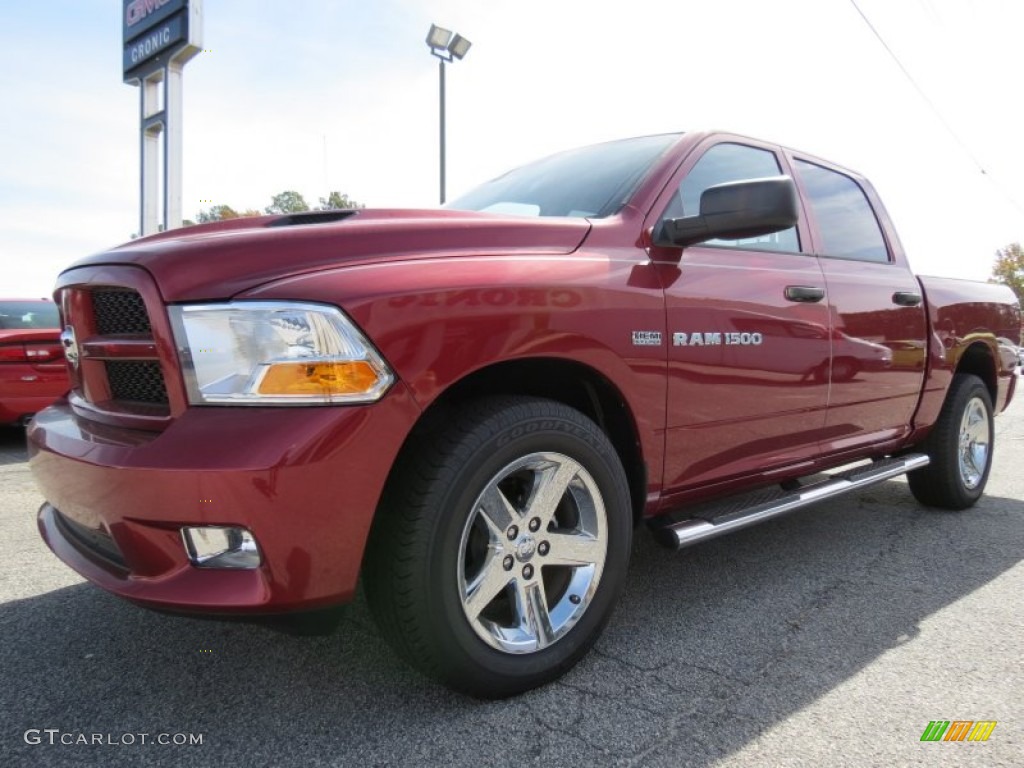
(312, 217)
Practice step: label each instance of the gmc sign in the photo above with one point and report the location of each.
(142, 15)
(153, 31)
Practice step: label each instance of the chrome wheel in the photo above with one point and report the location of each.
(960, 447)
(532, 552)
(501, 544)
(974, 443)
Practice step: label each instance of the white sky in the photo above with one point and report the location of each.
(342, 94)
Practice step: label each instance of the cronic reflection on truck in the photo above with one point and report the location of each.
(559, 298)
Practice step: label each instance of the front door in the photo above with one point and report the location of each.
(748, 337)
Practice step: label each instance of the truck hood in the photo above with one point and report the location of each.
(219, 260)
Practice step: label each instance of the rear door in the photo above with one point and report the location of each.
(748, 341)
(876, 312)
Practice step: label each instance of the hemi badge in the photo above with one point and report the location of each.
(646, 338)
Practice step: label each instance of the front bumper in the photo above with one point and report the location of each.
(304, 481)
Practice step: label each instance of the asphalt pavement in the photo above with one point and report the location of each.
(831, 637)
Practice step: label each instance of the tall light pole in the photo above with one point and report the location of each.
(447, 47)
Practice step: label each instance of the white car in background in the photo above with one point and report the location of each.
(1008, 349)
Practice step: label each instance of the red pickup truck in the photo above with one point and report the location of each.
(473, 408)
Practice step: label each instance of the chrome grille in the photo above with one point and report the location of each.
(119, 311)
(136, 381)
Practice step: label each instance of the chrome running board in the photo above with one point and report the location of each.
(719, 518)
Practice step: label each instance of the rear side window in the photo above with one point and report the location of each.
(732, 162)
(846, 222)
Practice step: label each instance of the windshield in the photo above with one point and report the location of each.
(23, 315)
(593, 181)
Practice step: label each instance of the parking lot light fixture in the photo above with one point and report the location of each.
(438, 38)
(459, 46)
(447, 47)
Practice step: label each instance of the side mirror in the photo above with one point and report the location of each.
(734, 210)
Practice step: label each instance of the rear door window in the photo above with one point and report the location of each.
(846, 222)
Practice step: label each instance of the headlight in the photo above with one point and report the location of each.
(275, 353)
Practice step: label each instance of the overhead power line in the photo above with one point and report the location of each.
(935, 110)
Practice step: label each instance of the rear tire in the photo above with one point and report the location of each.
(501, 545)
(960, 448)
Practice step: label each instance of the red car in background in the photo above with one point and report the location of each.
(32, 370)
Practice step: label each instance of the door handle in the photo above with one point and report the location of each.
(906, 298)
(807, 294)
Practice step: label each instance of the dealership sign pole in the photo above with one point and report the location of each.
(160, 36)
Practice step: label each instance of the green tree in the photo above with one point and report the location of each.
(337, 201)
(288, 201)
(1009, 269)
(216, 213)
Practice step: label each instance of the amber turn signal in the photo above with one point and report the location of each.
(355, 377)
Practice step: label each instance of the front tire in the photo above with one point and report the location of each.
(501, 546)
(960, 448)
